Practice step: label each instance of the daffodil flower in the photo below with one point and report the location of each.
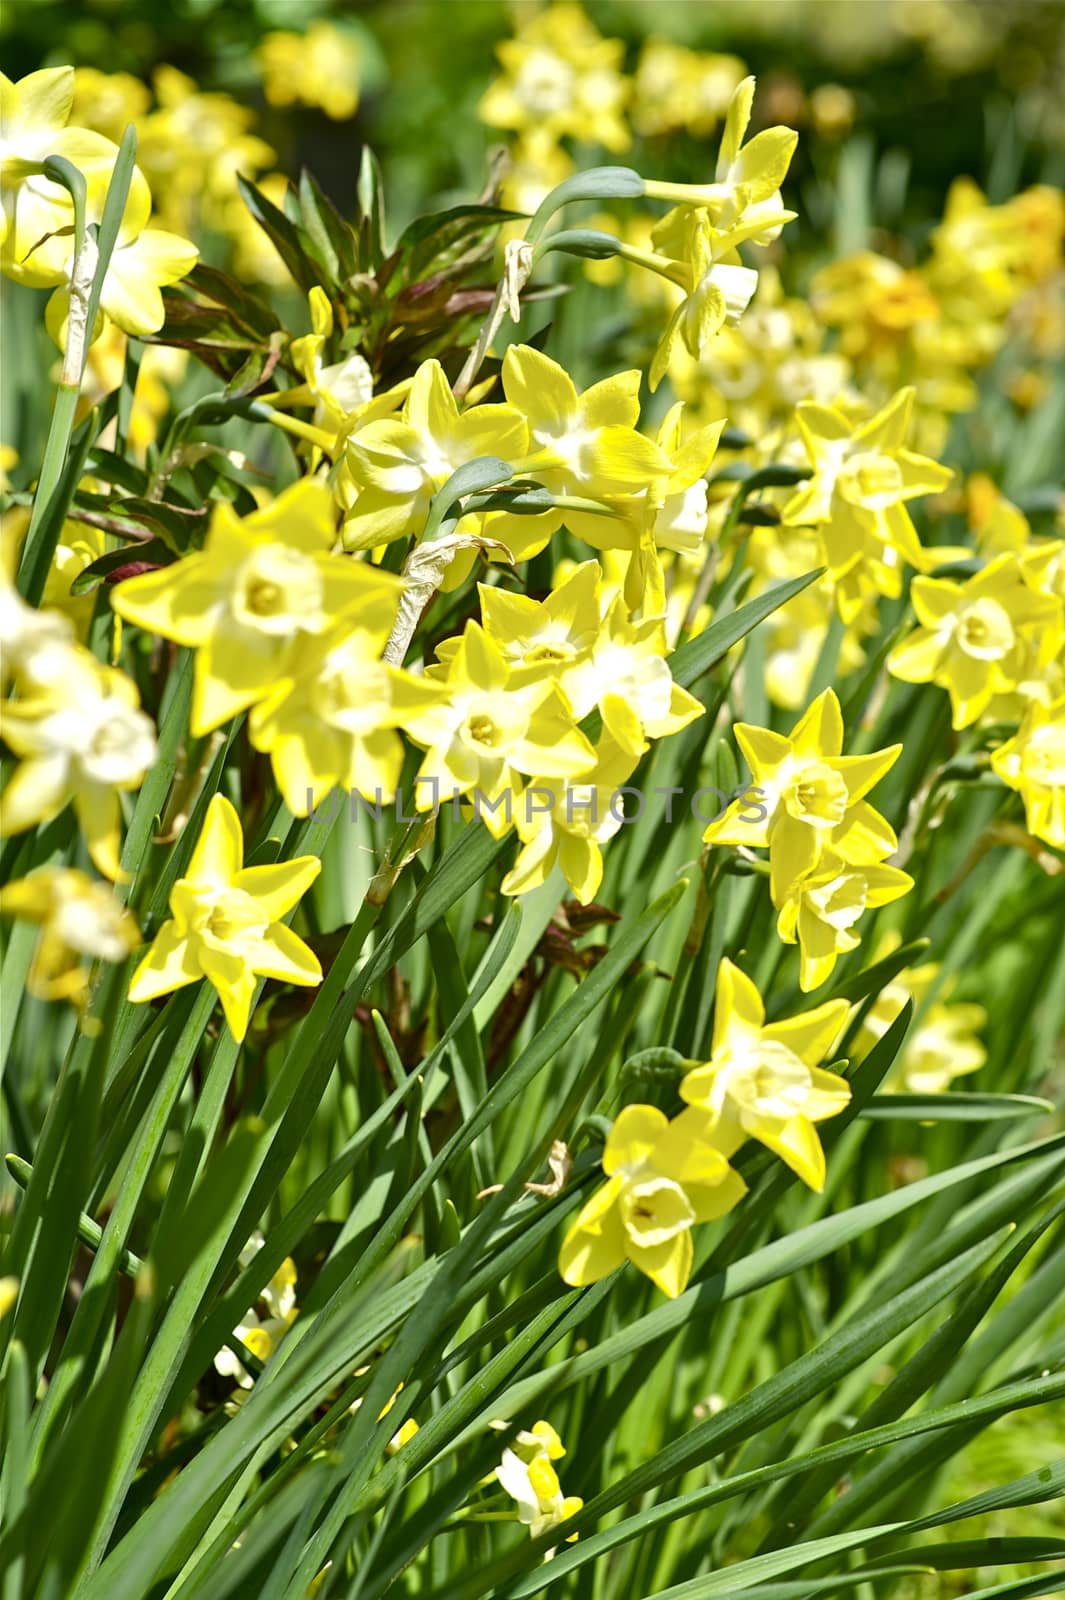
(941, 1046)
(261, 1334)
(863, 476)
(811, 794)
(226, 923)
(333, 720)
(705, 262)
(972, 635)
(1033, 763)
(80, 738)
(487, 734)
(821, 909)
(142, 263)
(262, 588)
(568, 823)
(748, 176)
(34, 643)
(319, 67)
(338, 391)
(398, 464)
(562, 77)
(663, 1178)
(527, 1474)
(37, 224)
(79, 918)
(764, 1081)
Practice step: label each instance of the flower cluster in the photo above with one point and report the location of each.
(763, 1081)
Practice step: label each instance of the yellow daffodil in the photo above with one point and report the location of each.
(332, 720)
(489, 733)
(262, 588)
(972, 635)
(545, 636)
(568, 822)
(336, 391)
(763, 1081)
(863, 475)
(261, 1334)
(226, 923)
(80, 921)
(679, 89)
(37, 224)
(399, 464)
(39, 249)
(677, 510)
(747, 178)
(108, 101)
(581, 444)
(80, 738)
(663, 1177)
(821, 909)
(320, 67)
(940, 1047)
(874, 302)
(628, 678)
(561, 75)
(705, 262)
(1033, 763)
(528, 1475)
(33, 643)
(812, 797)
(141, 265)
(78, 546)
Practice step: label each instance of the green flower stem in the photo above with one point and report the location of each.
(92, 257)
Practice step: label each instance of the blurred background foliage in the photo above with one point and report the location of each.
(948, 87)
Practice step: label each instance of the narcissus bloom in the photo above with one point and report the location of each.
(320, 67)
(489, 732)
(261, 1334)
(80, 922)
(83, 738)
(335, 391)
(863, 475)
(528, 1475)
(663, 1178)
(37, 223)
(398, 464)
(972, 637)
(142, 264)
(581, 443)
(812, 796)
(747, 178)
(941, 1046)
(1033, 763)
(561, 76)
(821, 909)
(226, 924)
(705, 262)
(609, 661)
(333, 720)
(262, 588)
(763, 1081)
(567, 822)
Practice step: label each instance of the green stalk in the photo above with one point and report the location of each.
(55, 489)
